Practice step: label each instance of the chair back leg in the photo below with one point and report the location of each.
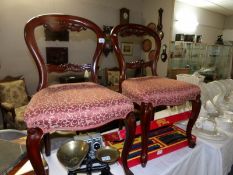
(47, 144)
(196, 106)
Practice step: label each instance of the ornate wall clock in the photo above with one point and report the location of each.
(124, 16)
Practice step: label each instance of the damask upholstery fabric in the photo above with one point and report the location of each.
(159, 90)
(77, 106)
(14, 92)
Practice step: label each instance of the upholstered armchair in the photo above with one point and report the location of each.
(14, 99)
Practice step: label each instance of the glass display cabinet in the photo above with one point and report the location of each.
(212, 61)
(217, 63)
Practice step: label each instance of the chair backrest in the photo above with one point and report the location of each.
(151, 45)
(60, 23)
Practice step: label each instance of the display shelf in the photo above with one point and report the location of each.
(212, 61)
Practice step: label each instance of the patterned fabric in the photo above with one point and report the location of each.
(14, 92)
(159, 91)
(113, 77)
(77, 106)
(19, 118)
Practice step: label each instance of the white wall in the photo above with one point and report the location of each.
(210, 24)
(150, 14)
(228, 22)
(15, 58)
(228, 29)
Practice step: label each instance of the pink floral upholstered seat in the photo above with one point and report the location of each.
(149, 92)
(77, 107)
(159, 90)
(72, 106)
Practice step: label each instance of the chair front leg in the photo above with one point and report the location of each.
(196, 106)
(33, 150)
(130, 125)
(146, 111)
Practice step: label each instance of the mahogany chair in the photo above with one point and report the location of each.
(149, 92)
(73, 107)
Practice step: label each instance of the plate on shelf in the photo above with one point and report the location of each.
(216, 136)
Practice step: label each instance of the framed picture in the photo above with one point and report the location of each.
(127, 48)
(53, 36)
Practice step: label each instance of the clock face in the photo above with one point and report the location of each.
(125, 15)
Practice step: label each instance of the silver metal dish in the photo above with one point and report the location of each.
(72, 153)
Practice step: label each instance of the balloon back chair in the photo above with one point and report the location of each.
(149, 92)
(71, 107)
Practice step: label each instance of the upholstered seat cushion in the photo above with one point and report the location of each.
(159, 90)
(77, 106)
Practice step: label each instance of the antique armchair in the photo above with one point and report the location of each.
(149, 92)
(14, 99)
(74, 107)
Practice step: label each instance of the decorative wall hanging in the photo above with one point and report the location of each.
(53, 36)
(164, 53)
(57, 55)
(107, 45)
(127, 48)
(160, 25)
(152, 26)
(146, 45)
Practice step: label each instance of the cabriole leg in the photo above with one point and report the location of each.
(130, 125)
(33, 150)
